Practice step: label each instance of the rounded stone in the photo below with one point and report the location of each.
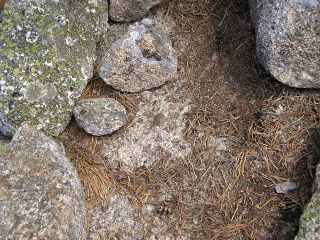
(142, 59)
(100, 116)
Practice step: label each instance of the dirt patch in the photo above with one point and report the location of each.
(247, 133)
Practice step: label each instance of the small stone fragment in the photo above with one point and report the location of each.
(285, 187)
(142, 59)
(100, 116)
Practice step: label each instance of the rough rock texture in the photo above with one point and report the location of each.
(100, 116)
(40, 194)
(123, 220)
(142, 59)
(130, 10)
(115, 32)
(287, 36)
(309, 228)
(159, 125)
(47, 52)
(119, 219)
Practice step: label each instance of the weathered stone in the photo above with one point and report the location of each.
(47, 53)
(121, 219)
(100, 116)
(287, 40)
(114, 33)
(159, 128)
(309, 227)
(130, 10)
(142, 59)
(41, 196)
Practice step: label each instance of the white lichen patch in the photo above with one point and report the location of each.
(40, 92)
(158, 126)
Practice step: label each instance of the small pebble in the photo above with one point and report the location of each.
(285, 187)
(100, 116)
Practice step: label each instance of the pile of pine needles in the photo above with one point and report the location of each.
(272, 131)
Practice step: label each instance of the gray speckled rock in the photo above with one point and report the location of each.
(140, 60)
(124, 220)
(309, 228)
(130, 10)
(288, 41)
(47, 52)
(100, 116)
(121, 221)
(41, 196)
(115, 31)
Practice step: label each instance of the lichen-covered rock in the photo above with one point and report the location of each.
(130, 10)
(41, 196)
(140, 60)
(47, 52)
(309, 228)
(287, 40)
(100, 116)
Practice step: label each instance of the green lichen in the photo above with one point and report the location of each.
(310, 219)
(34, 50)
(2, 149)
(115, 32)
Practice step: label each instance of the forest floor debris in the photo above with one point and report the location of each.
(247, 134)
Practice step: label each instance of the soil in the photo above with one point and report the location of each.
(247, 133)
